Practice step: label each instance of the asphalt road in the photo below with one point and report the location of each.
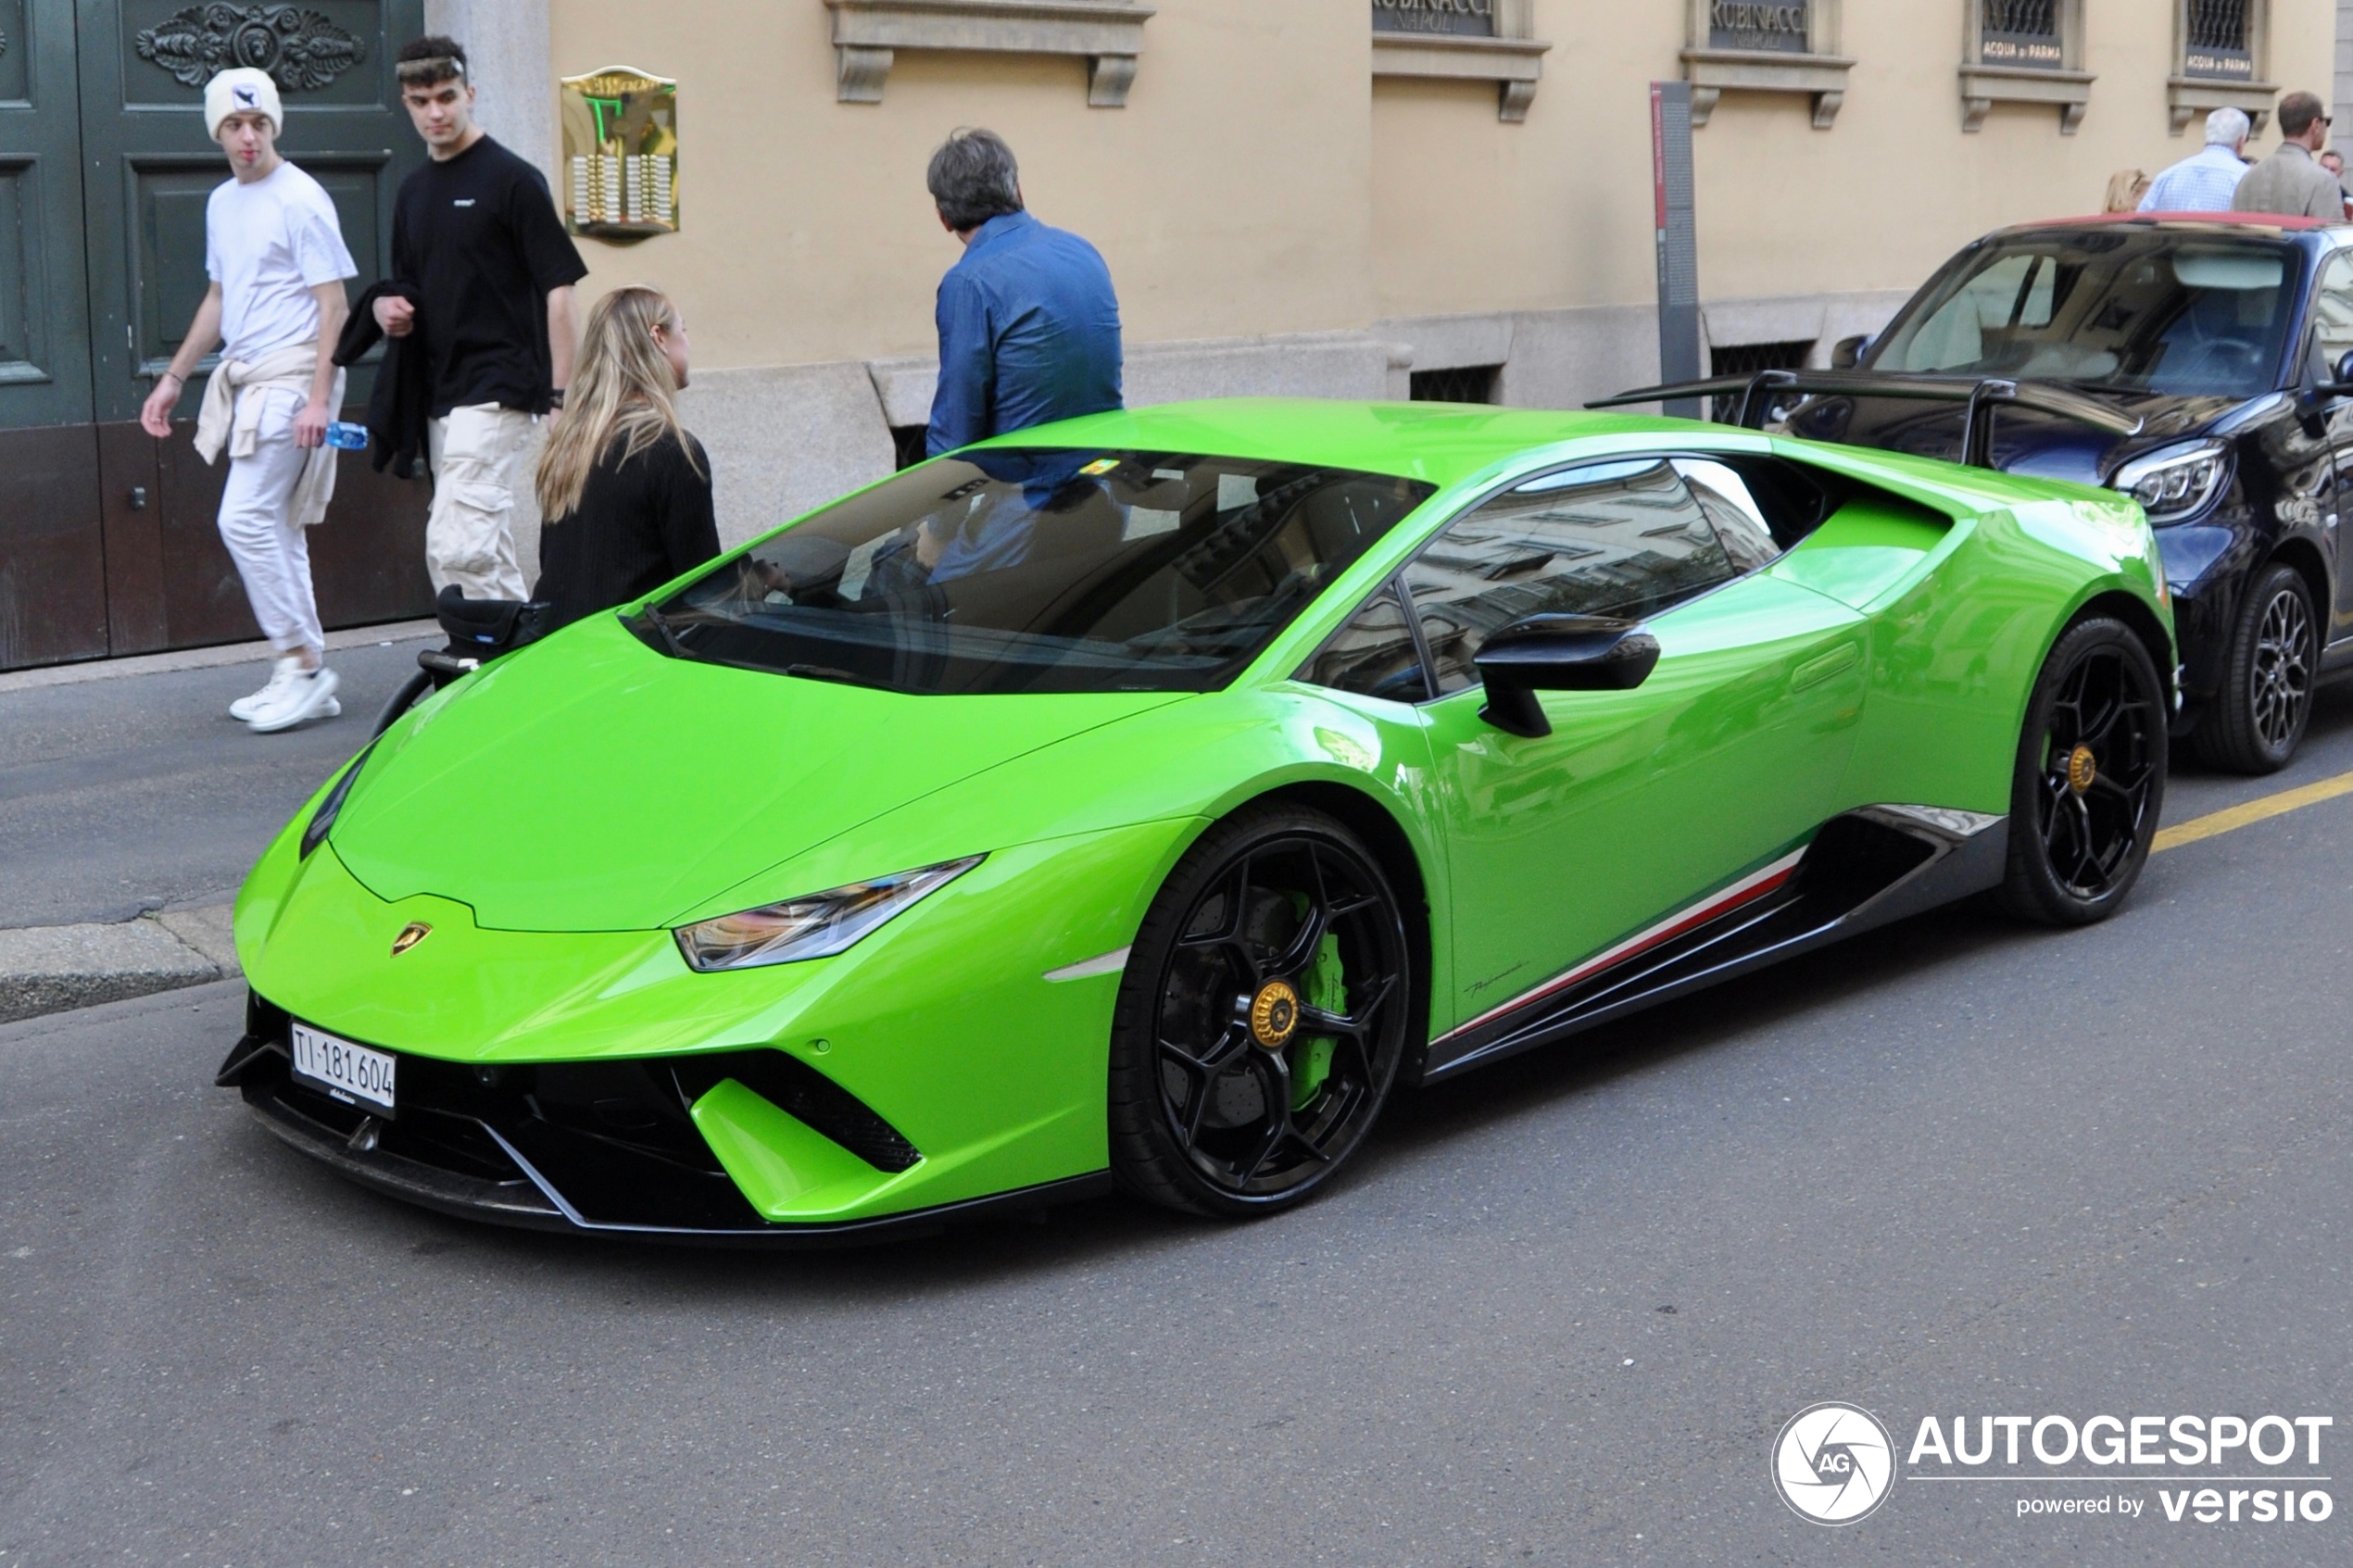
(1556, 1313)
(131, 793)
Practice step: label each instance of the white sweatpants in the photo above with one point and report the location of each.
(483, 458)
(272, 552)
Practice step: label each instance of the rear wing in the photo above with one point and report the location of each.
(1981, 397)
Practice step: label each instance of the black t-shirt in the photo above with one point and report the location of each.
(638, 525)
(479, 238)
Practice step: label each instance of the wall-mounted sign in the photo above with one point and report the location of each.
(2022, 32)
(2217, 43)
(1749, 24)
(621, 154)
(1476, 17)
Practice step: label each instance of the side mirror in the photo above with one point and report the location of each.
(2342, 386)
(1559, 652)
(1847, 352)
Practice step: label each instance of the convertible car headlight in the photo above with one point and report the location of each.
(2176, 483)
(816, 926)
(314, 833)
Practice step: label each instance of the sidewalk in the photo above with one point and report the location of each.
(132, 805)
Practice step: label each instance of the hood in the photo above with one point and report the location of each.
(2025, 439)
(591, 783)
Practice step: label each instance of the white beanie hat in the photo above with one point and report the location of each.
(242, 91)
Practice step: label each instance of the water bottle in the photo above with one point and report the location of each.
(348, 436)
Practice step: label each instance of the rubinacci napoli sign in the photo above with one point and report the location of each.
(1476, 17)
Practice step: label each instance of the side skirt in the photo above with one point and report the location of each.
(1862, 869)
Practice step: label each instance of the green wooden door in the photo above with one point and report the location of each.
(150, 167)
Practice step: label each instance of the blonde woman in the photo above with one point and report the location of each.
(625, 490)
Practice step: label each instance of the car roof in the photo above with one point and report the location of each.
(2273, 223)
(1437, 442)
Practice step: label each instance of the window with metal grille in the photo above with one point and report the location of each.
(1746, 360)
(1461, 383)
(2216, 40)
(2020, 32)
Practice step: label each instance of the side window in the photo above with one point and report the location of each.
(2332, 315)
(1623, 538)
(1731, 508)
(1373, 654)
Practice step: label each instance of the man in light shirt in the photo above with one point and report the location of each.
(2207, 182)
(276, 257)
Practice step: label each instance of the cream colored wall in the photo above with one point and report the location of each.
(1474, 215)
(1230, 197)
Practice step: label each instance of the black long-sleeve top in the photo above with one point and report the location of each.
(639, 524)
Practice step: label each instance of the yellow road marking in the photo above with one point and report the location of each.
(2253, 811)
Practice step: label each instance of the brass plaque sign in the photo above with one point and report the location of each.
(621, 154)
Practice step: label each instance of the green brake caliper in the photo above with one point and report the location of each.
(1325, 986)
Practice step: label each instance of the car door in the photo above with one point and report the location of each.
(1639, 803)
(2332, 341)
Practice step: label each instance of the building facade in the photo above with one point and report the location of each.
(1329, 197)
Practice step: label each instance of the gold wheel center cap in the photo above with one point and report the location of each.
(2081, 769)
(1274, 1014)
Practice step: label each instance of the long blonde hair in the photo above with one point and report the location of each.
(623, 393)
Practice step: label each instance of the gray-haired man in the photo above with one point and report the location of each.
(2206, 181)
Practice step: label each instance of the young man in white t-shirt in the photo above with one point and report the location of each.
(278, 262)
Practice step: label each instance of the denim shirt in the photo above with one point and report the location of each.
(1029, 332)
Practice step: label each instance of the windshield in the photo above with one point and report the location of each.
(2114, 310)
(1041, 571)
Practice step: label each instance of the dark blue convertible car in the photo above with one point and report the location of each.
(2201, 362)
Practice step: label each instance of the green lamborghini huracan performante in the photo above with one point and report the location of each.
(1141, 800)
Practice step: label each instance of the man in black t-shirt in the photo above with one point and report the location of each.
(476, 237)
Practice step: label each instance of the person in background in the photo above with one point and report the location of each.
(2125, 189)
(1029, 321)
(2206, 181)
(475, 234)
(2334, 161)
(276, 257)
(2289, 182)
(624, 490)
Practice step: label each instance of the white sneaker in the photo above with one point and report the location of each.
(310, 695)
(281, 671)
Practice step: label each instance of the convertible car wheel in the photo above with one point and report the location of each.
(2258, 716)
(2091, 777)
(1262, 1020)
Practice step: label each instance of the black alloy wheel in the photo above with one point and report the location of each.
(2090, 780)
(1264, 1013)
(2259, 715)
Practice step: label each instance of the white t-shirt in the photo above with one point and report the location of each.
(268, 244)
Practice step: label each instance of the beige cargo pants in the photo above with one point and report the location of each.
(482, 461)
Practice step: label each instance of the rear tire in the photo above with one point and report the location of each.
(2090, 777)
(1227, 1097)
(2257, 716)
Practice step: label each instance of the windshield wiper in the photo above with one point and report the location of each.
(678, 649)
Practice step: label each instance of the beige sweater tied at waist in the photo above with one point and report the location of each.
(227, 417)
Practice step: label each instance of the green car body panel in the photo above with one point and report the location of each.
(554, 817)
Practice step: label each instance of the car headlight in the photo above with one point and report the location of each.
(314, 833)
(816, 926)
(2176, 483)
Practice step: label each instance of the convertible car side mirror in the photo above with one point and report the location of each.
(1847, 352)
(1559, 652)
(2342, 385)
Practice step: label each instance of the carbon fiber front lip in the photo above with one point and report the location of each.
(533, 1203)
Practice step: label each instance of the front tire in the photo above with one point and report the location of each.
(2258, 718)
(2090, 777)
(1262, 1017)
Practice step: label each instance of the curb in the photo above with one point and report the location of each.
(47, 968)
(204, 658)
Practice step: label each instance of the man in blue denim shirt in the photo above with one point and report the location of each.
(1028, 323)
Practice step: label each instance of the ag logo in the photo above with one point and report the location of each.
(1833, 1463)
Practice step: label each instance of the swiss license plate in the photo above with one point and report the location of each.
(351, 1073)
